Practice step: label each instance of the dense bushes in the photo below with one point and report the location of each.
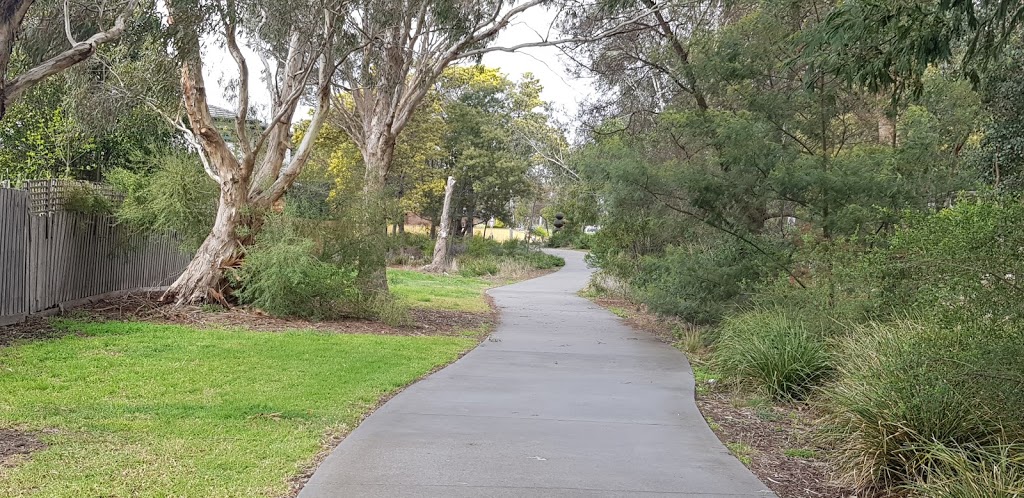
(513, 258)
(771, 352)
(409, 248)
(283, 276)
(570, 238)
(958, 262)
(177, 196)
(904, 386)
(972, 471)
(908, 340)
(698, 282)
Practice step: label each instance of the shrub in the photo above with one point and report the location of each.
(962, 260)
(570, 238)
(772, 352)
(901, 387)
(698, 282)
(386, 309)
(282, 276)
(176, 196)
(512, 258)
(479, 247)
(409, 248)
(478, 267)
(85, 199)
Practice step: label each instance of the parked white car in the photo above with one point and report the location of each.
(591, 229)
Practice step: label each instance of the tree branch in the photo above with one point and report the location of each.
(77, 53)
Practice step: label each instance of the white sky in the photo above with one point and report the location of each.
(546, 63)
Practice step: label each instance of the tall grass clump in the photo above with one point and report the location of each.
(972, 472)
(771, 352)
(902, 387)
(283, 276)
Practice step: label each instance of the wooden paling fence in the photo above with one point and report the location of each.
(52, 258)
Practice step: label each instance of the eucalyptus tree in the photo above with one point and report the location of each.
(403, 47)
(299, 45)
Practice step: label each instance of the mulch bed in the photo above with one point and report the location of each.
(14, 444)
(33, 329)
(150, 309)
(770, 430)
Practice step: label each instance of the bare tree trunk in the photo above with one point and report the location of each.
(247, 190)
(442, 260)
(203, 279)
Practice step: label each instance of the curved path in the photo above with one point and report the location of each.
(562, 401)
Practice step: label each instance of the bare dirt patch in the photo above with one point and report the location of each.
(14, 445)
(150, 309)
(784, 455)
(33, 329)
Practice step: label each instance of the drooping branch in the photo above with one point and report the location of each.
(77, 53)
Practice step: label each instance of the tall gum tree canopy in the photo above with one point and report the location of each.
(298, 45)
(476, 125)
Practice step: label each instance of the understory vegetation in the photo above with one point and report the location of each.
(307, 269)
(830, 204)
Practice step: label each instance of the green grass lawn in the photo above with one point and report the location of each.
(444, 292)
(134, 409)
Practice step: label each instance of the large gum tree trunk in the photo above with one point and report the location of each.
(203, 279)
(372, 269)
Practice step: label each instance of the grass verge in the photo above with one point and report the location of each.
(444, 292)
(136, 409)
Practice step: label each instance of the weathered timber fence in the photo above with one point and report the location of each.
(54, 258)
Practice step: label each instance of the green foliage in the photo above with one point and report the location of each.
(511, 259)
(698, 282)
(904, 386)
(1000, 158)
(771, 352)
(478, 267)
(282, 275)
(73, 125)
(84, 199)
(961, 261)
(194, 412)
(387, 309)
(176, 196)
(409, 248)
(574, 239)
(802, 453)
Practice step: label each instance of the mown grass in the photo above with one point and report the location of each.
(443, 292)
(134, 409)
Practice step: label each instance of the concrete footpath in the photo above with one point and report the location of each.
(563, 400)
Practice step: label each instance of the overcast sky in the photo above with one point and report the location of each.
(560, 89)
